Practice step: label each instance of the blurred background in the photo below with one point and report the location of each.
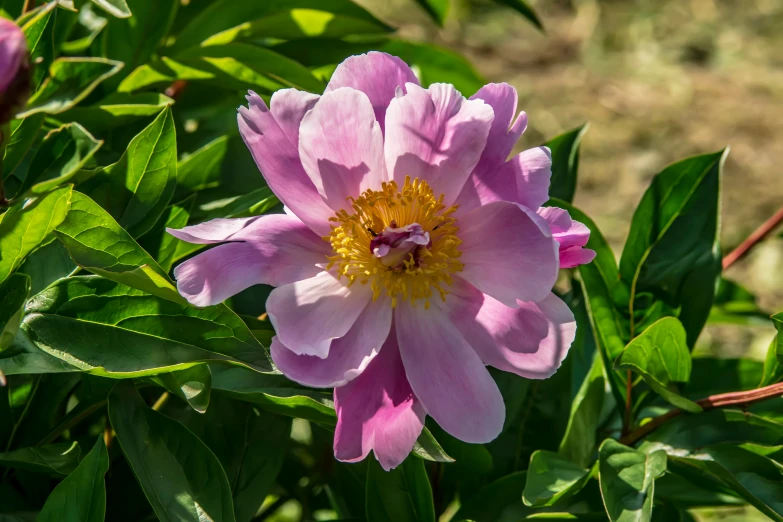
(657, 80)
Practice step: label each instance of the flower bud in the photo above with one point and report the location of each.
(14, 69)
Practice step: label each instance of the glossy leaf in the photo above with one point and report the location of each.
(551, 478)
(118, 109)
(193, 385)
(437, 9)
(81, 497)
(63, 152)
(660, 355)
(98, 244)
(162, 245)
(118, 8)
(27, 224)
(24, 133)
(773, 371)
(223, 15)
(13, 293)
(201, 169)
(488, 503)
(428, 448)
(137, 189)
(579, 442)
(233, 65)
(70, 81)
(673, 248)
(37, 27)
(734, 304)
(627, 480)
(169, 462)
(113, 330)
(401, 495)
(565, 162)
(47, 264)
(55, 459)
(523, 8)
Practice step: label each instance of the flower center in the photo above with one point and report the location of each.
(402, 242)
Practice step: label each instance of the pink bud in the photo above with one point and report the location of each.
(14, 69)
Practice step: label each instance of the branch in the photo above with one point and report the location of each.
(723, 400)
(756, 237)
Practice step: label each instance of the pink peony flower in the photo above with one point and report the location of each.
(14, 69)
(412, 253)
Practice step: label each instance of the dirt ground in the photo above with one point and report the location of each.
(658, 81)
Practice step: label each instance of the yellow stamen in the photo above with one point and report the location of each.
(426, 270)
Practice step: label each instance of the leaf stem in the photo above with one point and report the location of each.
(755, 238)
(722, 400)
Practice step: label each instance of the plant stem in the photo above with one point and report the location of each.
(722, 400)
(755, 238)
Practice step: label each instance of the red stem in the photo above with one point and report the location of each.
(756, 237)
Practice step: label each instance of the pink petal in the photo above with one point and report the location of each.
(288, 106)
(214, 231)
(446, 374)
(341, 146)
(378, 75)
(436, 135)
(308, 314)
(508, 252)
(378, 411)
(531, 340)
(274, 249)
(348, 355)
(278, 158)
(504, 134)
(571, 235)
(532, 170)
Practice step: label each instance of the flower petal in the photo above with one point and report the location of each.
(531, 340)
(348, 355)
(341, 146)
(288, 106)
(308, 314)
(378, 411)
(571, 235)
(503, 134)
(447, 375)
(435, 135)
(508, 252)
(275, 249)
(278, 158)
(378, 75)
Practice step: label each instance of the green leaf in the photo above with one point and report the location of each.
(24, 133)
(276, 394)
(734, 304)
(13, 293)
(98, 244)
(118, 109)
(568, 517)
(201, 169)
(70, 81)
(63, 153)
(181, 477)
(627, 480)
(754, 477)
(598, 281)
(401, 495)
(711, 375)
(437, 9)
(162, 245)
(233, 66)
(47, 264)
(551, 478)
(565, 162)
(428, 448)
(38, 26)
(28, 223)
(773, 371)
(55, 459)
(673, 248)
(660, 355)
(224, 15)
(137, 189)
(523, 8)
(113, 330)
(578, 444)
(193, 385)
(488, 503)
(116, 8)
(251, 446)
(134, 40)
(81, 497)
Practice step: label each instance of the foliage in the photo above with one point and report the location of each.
(124, 403)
